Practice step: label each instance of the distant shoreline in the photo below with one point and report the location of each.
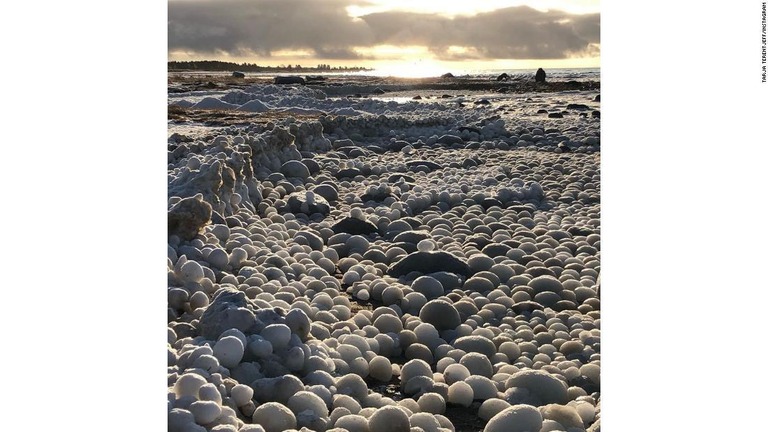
(219, 66)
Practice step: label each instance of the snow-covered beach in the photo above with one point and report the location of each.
(376, 254)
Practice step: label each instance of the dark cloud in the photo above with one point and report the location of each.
(518, 32)
(588, 26)
(261, 27)
(264, 26)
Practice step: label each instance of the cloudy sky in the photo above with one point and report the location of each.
(465, 34)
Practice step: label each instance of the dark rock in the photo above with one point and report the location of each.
(579, 230)
(450, 139)
(179, 151)
(447, 75)
(406, 246)
(376, 149)
(191, 252)
(378, 90)
(490, 202)
(232, 222)
(398, 145)
(183, 330)
(564, 148)
(311, 165)
(376, 195)
(467, 128)
(429, 262)
(577, 107)
(339, 143)
(187, 217)
(541, 76)
(468, 163)
(238, 75)
(584, 382)
(482, 102)
(412, 221)
(354, 226)
(245, 372)
(376, 256)
(596, 114)
(430, 165)
(417, 97)
(503, 77)
(523, 207)
(555, 115)
(541, 111)
(297, 202)
(348, 173)
(289, 80)
(232, 309)
(217, 218)
(597, 98)
(314, 78)
(177, 137)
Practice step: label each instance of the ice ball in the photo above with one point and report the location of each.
(229, 351)
(389, 419)
(491, 407)
(517, 418)
(460, 393)
(432, 403)
(274, 417)
(380, 368)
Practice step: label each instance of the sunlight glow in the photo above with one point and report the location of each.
(394, 52)
(453, 49)
(292, 54)
(414, 69)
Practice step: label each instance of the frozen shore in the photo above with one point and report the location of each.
(384, 255)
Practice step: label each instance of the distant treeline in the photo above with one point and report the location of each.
(212, 65)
